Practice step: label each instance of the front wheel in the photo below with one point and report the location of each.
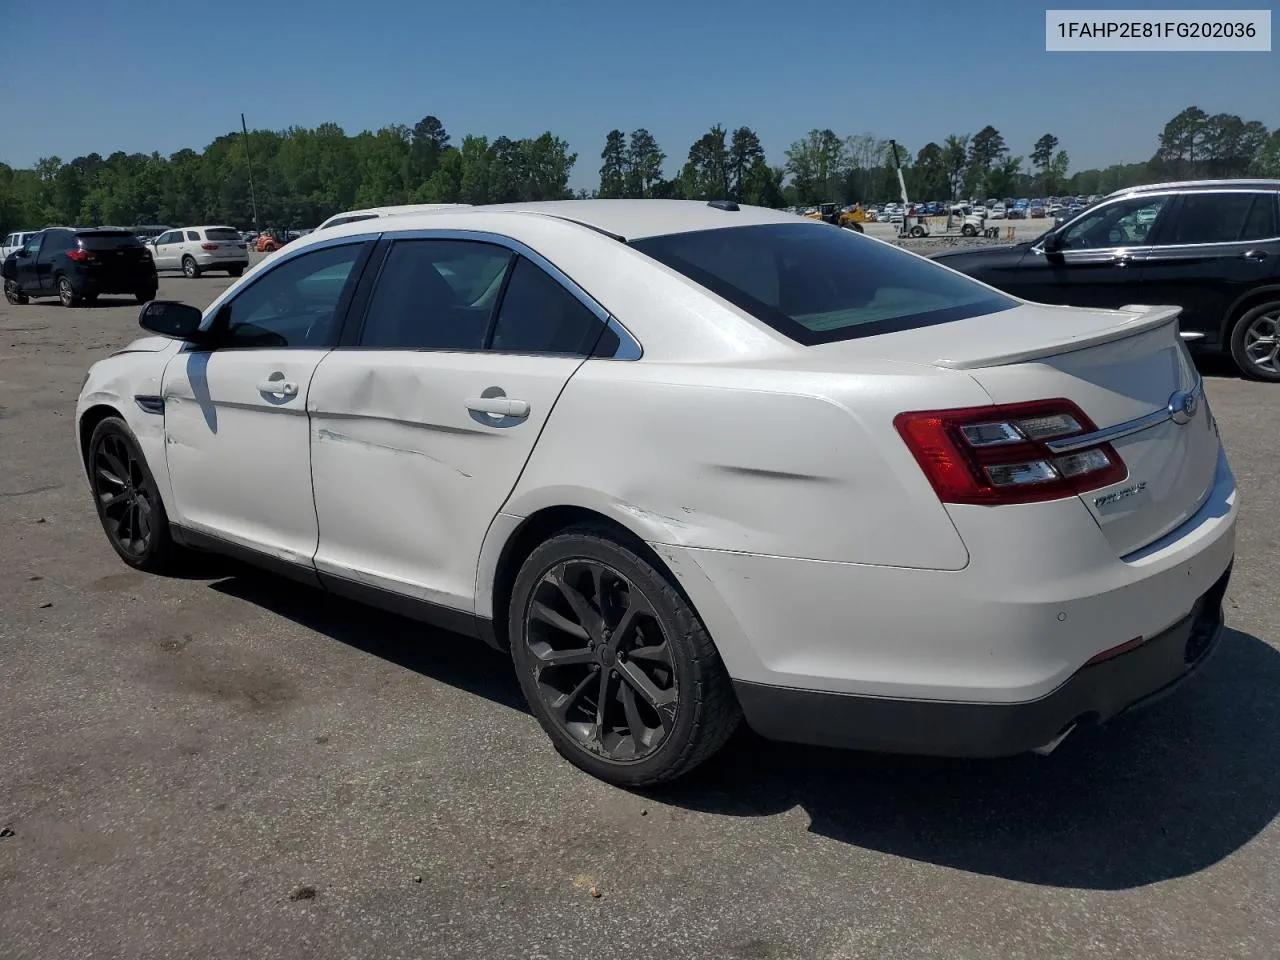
(128, 502)
(67, 293)
(969, 230)
(14, 294)
(616, 666)
(916, 231)
(1255, 343)
(189, 268)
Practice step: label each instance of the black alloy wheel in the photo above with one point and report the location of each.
(129, 506)
(615, 665)
(13, 294)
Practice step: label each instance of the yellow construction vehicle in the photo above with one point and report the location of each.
(852, 219)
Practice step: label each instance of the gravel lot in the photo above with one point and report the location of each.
(232, 766)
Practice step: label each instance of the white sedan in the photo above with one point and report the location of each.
(692, 463)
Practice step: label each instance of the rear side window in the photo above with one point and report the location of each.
(1211, 218)
(538, 315)
(1260, 224)
(817, 283)
(107, 239)
(424, 296)
(193, 235)
(222, 233)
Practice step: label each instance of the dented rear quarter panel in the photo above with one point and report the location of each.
(785, 459)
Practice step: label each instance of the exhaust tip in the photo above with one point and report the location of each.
(1045, 749)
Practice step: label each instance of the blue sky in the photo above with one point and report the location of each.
(143, 75)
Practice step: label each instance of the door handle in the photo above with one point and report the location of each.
(1120, 261)
(1254, 256)
(278, 388)
(499, 406)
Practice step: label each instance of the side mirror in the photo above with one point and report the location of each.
(169, 318)
(1052, 242)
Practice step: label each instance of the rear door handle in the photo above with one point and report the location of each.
(1254, 255)
(278, 388)
(499, 406)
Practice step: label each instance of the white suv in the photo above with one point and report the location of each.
(194, 250)
(15, 241)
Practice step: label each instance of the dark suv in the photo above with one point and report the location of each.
(1211, 247)
(77, 265)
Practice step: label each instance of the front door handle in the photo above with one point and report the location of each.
(1254, 256)
(1120, 261)
(499, 406)
(279, 388)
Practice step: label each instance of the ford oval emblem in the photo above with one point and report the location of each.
(1183, 406)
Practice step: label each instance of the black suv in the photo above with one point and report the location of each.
(1211, 247)
(77, 265)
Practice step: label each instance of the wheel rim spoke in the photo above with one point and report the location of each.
(601, 660)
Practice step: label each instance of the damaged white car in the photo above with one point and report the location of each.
(693, 463)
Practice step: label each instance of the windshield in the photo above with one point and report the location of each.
(818, 284)
(107, 239)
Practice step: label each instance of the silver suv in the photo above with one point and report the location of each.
(194, 250)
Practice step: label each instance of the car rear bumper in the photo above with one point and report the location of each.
(1094, 694)
(209, 262)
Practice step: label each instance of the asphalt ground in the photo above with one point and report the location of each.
(229, 765)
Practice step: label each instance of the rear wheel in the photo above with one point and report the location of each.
(969, 230)
(14, 294)
(234, 271)
(189, 268)
(1255, 342)
(67, 293)
(616, 666)
(916, 231)
(147, 295)
(128, 503)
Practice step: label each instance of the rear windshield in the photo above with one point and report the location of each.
(819, 283)
(222, 233)
(106, 239)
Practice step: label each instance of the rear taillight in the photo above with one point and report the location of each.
(1001, 454)
(81, 256)
(208, 246)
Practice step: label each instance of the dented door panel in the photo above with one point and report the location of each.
(408, 467)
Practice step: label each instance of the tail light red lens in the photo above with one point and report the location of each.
(1000, 454)
(81, 256)
(208, 246)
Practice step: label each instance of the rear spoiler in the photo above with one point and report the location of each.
(1144, 319)
(1146, 308)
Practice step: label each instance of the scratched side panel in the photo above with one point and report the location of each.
(407, 479)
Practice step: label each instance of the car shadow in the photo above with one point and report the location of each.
(1216, 365)
(462, 662)
(1160, 793)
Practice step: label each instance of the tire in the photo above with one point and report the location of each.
(1256, 358)
(235, 271)
(129, 507)
(666, 711)
(916, 231)
(14, 294)
(146, 296)
(189, 268)
(67, 293)
(969, 230)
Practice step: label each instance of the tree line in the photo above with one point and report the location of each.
(302, 176)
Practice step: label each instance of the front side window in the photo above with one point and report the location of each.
(1224, 218)
(435, 295)
(166, 238)
(1123, 223)
(294, 304)
(538, 315)
(818, 284)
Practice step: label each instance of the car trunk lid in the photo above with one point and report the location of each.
(1125, 370)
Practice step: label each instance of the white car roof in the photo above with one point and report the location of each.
(629, 219)
(392, 211)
